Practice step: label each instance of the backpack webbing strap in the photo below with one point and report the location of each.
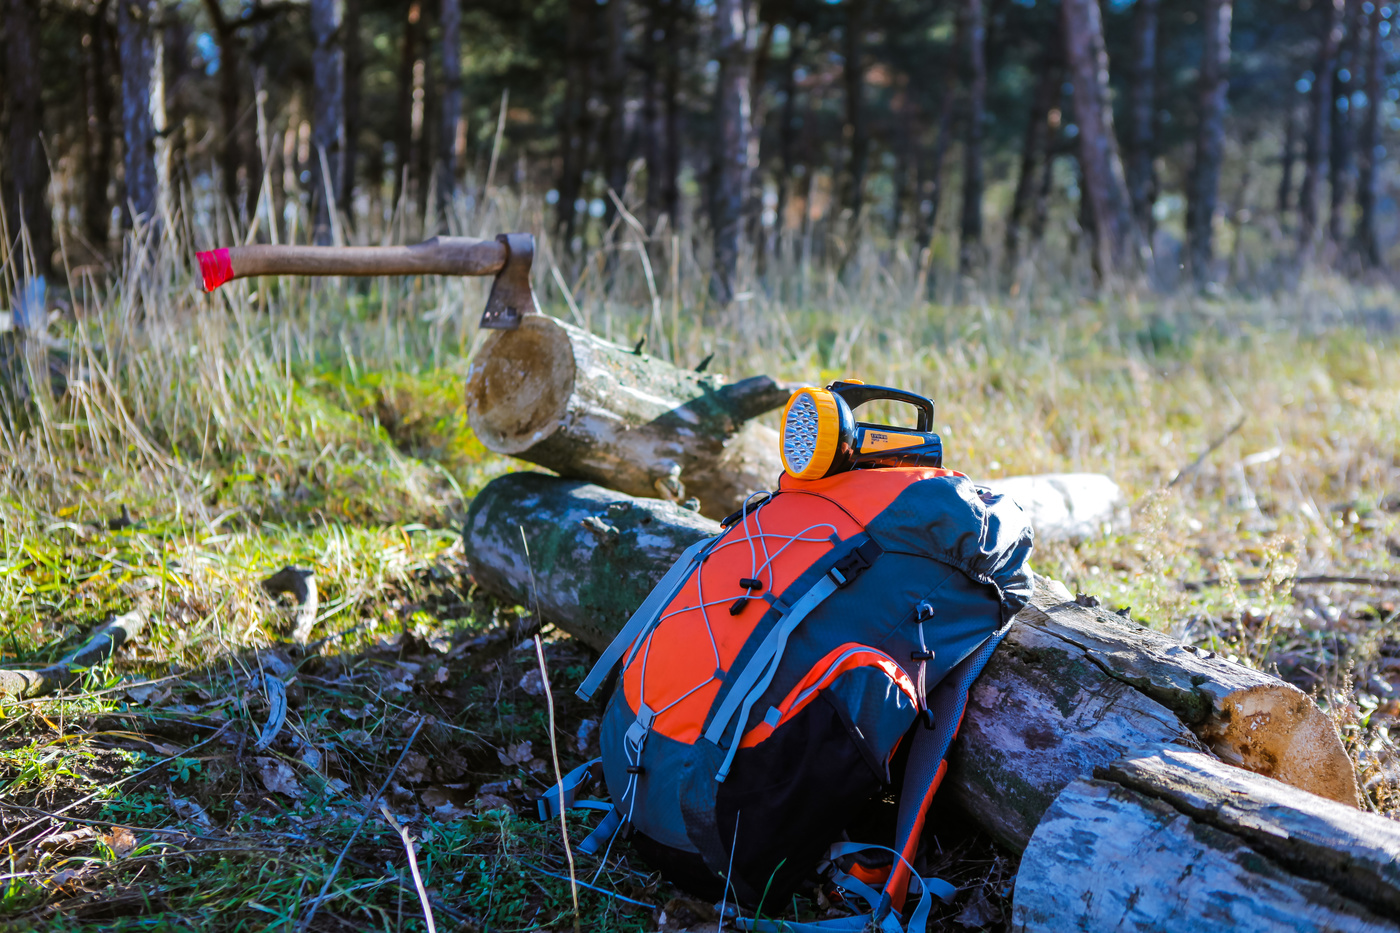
(926, 766)
(549, 804)
(645, 616)
(758, 672)
(882, 917)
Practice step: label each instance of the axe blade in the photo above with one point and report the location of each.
(511, 296)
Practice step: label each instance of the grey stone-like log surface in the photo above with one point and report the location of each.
(1173, 841)
(555, 395)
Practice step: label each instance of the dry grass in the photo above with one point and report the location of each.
(279, 422)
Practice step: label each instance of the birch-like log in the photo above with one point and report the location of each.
(1173, 841)
(555, 395)
(1070, 690)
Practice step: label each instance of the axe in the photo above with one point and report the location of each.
(507, 257)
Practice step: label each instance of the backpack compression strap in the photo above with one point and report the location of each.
(927, 763)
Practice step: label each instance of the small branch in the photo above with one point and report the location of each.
(25, 685)
(1214, 445)
(412, 866)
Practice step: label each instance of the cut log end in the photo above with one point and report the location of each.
(519, 386)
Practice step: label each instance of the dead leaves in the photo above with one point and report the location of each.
(521, 755)
(279, 778)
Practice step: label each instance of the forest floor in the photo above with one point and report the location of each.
(167, 791)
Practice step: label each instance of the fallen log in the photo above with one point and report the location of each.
(557, 396)
(1240, 852)
(1071, 689)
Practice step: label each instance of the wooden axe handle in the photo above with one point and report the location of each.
(438, 256)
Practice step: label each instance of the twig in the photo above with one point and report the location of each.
(412, 866)
(1297, 581)
(1214, 445)
(335, 868)
(24, 685)
(553, 743)
(591, 887)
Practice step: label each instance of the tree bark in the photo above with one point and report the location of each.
(555, 395)
(354, 68)
(97, 152)
(26, 188)
(652, 137)
(327, 112)
(670, 189)
(615, 100)
(970, 239)
(1173, 840)
(574, 116)
(1070, 690)
(1210, 140)
(858, 140)
(1116, 238)
(787, 130)
(135, 36)
(730, 151)
(1342, 161)
(230, 154)
(451, 103)
(1142, 109)
(931, 185)
(403, 118)
(1319, 130)
(1368, 191)
(1287, 158)
(1034, 148)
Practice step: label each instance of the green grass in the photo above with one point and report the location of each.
(324, 427)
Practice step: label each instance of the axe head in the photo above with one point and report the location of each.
(511, 296)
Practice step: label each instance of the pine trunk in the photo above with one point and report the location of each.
(403, 117)
(135, 37)
(970, 240)
(615, 100)
(1175, 841)
(1142, 108)
(853, 73)
(931, 184)
(97, 162)
(1342, 161)
(574, 118)
(670, 189)
(1115, 235)
(1034, 148)
(1287, 158)
(26, 191)
(451, 104)
(354, 67)
(1210, 140)
(730, 151)
(555, 395)
(327, 113)
(1368, 191)
(1319, 130)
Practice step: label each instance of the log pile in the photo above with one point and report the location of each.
(1244, 775)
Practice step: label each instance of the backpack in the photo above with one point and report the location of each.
(764, 688)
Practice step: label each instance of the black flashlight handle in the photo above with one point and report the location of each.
(855, 394)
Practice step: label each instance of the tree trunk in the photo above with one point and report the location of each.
(1035, 147)
(230, 156)
(134, 33)
(670, 189)
(730, 151)
(1368, 191)
(403, 118)
(931, 186)
(1287, 159)
(1210, 140)
(97, 153)
(354, 80)
(753, 201)
(651, 136)
(1319, 130)
(555, 395)
(615, 99)
(1142, 108)
(26, 188)
(787, 130)
(970, 240)
(327, 113)
(451, 104)
(1342, 161)
(1116, 237)
(1071, 689)
(574, 116)
(1174, 841)
(855, 132)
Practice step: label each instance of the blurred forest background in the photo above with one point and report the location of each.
(1205, 142)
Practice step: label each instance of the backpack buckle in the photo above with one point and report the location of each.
(855, 562)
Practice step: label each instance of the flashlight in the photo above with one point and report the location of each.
(821, 436)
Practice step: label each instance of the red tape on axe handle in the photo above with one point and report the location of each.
(216, 268)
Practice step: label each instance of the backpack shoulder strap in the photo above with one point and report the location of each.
(927, 763)
(645, 616)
